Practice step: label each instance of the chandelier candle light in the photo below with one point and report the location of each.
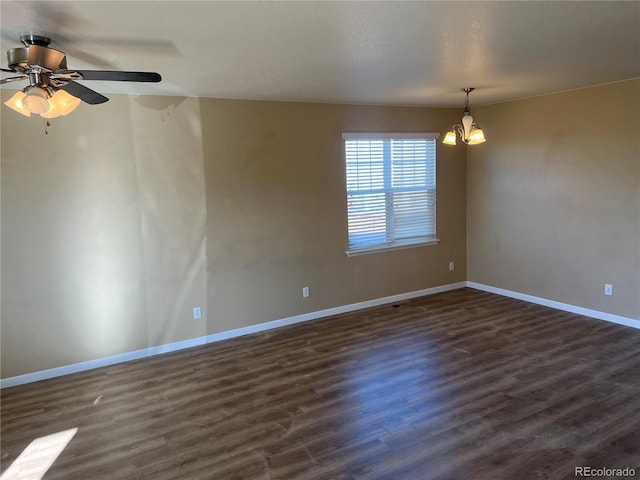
(470, 132)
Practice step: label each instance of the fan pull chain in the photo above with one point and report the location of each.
(46, 124)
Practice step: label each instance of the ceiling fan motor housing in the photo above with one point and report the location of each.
(36, 56)
(17, 58)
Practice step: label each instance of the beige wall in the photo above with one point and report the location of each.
(277, 217)
(128, 214)
(553, 198)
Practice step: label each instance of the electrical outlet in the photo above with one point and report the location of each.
(608, 289)
(452, 266)
(197, 313)
(305, 292)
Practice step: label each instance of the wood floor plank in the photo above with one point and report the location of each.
(462, 384)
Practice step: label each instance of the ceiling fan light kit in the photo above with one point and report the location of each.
(469, 131)
(58, 104)
(53, 89)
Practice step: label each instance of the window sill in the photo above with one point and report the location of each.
(387, 247)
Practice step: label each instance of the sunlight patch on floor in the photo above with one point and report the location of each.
(38, 457)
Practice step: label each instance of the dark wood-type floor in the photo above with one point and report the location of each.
(459, 385)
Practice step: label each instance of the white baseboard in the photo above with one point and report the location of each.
(216, 337)
(587, 312)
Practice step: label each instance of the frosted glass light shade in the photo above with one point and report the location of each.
(61, 104)
(36, 101)
(15, 103)
(476, 137)
(450, 138)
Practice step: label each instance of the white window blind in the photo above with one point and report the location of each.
(391, 190)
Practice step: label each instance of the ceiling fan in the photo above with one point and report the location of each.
(53, 89)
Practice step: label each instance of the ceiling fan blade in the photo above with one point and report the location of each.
(83, 93)
(12, 79)
(8, 70)
(118, 76)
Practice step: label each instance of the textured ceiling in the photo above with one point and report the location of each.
(399, 53)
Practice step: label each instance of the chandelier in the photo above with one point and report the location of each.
(469, 131)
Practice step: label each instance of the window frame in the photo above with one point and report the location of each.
(395, 244)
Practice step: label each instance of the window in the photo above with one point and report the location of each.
(391, 190)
